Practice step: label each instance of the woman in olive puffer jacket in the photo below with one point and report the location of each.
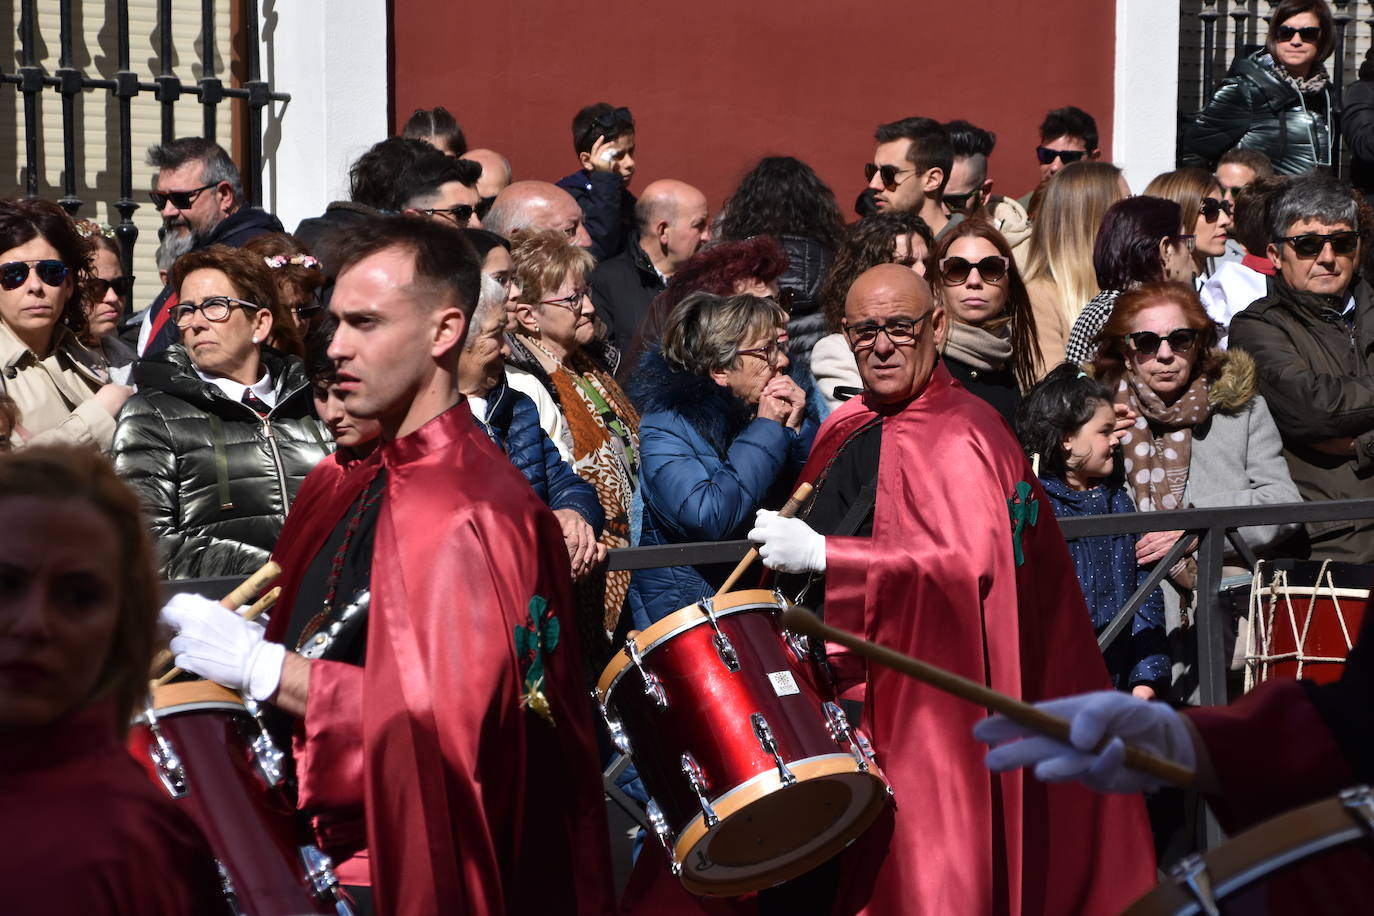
(222, 431)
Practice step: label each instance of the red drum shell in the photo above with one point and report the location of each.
(1325, 620)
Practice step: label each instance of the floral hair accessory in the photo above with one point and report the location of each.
(86, 228)
(300, 260)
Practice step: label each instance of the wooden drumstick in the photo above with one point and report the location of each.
(241, 595)
(801, 620)
(260, 607)
(788, 510)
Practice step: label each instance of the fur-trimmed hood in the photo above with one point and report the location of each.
(1236, 386)
(715, 412)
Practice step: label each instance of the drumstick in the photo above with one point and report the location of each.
(788, 510)
(260, 579)
(260, 607)
(801, 620)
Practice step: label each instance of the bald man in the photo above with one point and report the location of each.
(494, 179)
(537, 205)
(934, 537)
(673, 224)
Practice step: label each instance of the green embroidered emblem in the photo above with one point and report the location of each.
(1024, 511)
(534, 639)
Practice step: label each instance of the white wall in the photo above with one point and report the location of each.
(1144, 123)
(332, 58)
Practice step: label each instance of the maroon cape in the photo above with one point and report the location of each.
(474, 803)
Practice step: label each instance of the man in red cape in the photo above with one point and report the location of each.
(466, 738)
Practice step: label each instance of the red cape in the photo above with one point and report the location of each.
(474, 803)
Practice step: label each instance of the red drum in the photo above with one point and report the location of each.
(1304, 621)
(201, 743)
(753, 778)
(1317, 860)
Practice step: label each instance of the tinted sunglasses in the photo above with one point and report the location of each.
(122, 286)
(889, 173)
(1310, 245)
(458, 213)
(182, 200)
(1066, 156)
(1311, 34)
(960, 202)
(990, 269)
(1147, 343)
(1212, 209)
(14, 273)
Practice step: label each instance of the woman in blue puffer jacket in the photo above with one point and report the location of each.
(723, 432)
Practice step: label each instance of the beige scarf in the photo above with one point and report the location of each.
(981, 349)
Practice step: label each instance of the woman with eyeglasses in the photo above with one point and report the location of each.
(990, 343)
(724, 433)
(222, 431)
(555, 341)
(1203, 437)
(61, 387)
(107, 298)
(1277, 100)
(299, 278)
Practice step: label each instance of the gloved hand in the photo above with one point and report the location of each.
(1152, 727)
(787, 544)
(219, 645)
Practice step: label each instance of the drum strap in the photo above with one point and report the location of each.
(858, 511)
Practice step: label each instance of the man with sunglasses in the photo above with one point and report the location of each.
(1067, 135)
(910, 168)
(969, 190)
(198, 192)
(934, 538)
(604, 141)
(443, 188)
(1312, 339)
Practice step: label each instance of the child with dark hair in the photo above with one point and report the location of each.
(604, 141)
(1068, 423)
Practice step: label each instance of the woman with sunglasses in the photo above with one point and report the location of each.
(62, 387)
(1277, 100)
(1207, 215)
(724, 434)
(107, 298)
(222, 431)
(990, 345)
(1203, 436)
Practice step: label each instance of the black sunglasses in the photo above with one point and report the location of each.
(122, 286)
(458, 213)
(1066, 156)
(1147, 342)
(14, 273)
(1212, 209)
(1310, 245)
(990, 269)
(614, 123)
(889, 173)
(960, 202)
(1311, 34)
(182, 200)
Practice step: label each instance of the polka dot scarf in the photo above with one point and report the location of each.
(1159, 446)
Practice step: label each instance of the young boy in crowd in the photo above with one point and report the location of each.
(604, 140)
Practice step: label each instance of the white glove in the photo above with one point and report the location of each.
(219, 645)
(1152, 727)
(787, 544)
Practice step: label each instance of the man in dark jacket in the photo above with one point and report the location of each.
(604, 140)
(1312, 339)
(199, 194)
(673, 225)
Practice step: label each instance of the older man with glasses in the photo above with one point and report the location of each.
(933, 537)
(1312, 339)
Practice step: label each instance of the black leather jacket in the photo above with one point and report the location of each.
(215, 480)
(1255, 108)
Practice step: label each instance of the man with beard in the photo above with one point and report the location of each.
(199, 194)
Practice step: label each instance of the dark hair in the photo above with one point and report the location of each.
(1127, 248)
(783, 196)
(1317, 195)
(967, 140)
(445, 263)
(1252, 159)
(869, 243)
(1069, 121)
(718, 267)
(1055, 409)
(930, 147)
(29, 218)
(483, 241)
(1111, 360)
(425, 175)
(319, 368)
(436, 125)
(1287, 9)
(373, 177)
(216, 164)
(1250, 226)
(585, 128)
(1025, 351)
(252, 281)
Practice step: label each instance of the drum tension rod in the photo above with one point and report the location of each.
(169, 769)
(660, 826)
(1191, 872)
(724, 648)
(653, 687)
(613, 726)
(841, 731)
(1359, 801)
(770, 745)
(696, 778)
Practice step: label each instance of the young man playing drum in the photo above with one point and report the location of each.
(454, 725)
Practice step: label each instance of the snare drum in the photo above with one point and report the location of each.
(1315, 860)
(210, 752)
(1304, 621)
(753, 779)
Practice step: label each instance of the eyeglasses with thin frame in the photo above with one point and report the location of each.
(14, 273)
(1211, 209)
(214, 308)
(122, 287)
(1066, 156)
(1310, 244)
(901, 332)
(769, 353)
(313, 305)
(458, 214)
(1310, 34)
(889, 174)
(182, 200)
(990, 269)
(571, 302)
(1146, 343)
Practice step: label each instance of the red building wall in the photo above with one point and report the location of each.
(715, 85)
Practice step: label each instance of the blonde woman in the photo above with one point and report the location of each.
(1206, 212)
(1060, 277)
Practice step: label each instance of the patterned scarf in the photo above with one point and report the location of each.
(1315, 81)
